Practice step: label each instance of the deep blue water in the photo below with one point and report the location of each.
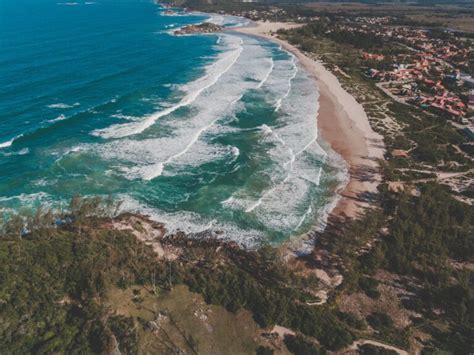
(202, 132)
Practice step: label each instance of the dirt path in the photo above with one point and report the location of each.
(356, 344)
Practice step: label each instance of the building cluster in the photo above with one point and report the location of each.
(431, 74)
(272, 13)
(372, 20)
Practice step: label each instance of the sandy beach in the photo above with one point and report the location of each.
(342, 123)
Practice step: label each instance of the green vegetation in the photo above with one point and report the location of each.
(432, 136)
(366, 41)
(260, 283)
(179, 320)
(368, 349)
(51, 280)
(429, 137)
(262, 350)
(70, 283)
(299, 345)
(369, 286)
(380, 321)
(59, 271)
(426, 239)
(62, 281)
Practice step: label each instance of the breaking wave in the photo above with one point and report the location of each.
(213, 74)
(229, 147)
(63, 105)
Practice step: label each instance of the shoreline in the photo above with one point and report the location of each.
(342, 123)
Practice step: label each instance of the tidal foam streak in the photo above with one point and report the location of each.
(214, 72)
(296, 174)
(272, 65)
(187, 145)
(290, 79)
(7, 143)
(10, 142)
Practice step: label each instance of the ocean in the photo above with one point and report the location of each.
(206, 133)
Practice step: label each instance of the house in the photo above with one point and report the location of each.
(399, 153)
(370, 56)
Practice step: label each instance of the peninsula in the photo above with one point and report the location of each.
(206, 27)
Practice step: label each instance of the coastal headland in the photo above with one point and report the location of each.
(342, 123)
(205, 27)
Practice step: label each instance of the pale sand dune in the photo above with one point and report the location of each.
(342, 123)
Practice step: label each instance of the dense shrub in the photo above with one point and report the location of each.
(299, 346)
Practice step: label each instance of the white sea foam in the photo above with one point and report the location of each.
(208, 114)
(303, 218)
(125, 117)
(226, 20)
(213, 73)
(74, 150)
(153, 171)
(266, 129)
(26, 199)
(22, 151)
(193, 223)
(267, 75)
(290, 79)
(228, 201)
(63, 105)
(41, 182)
(57, 119)
(255, 204)
(7, 143)
(237, 100)
(173, 13)
(217, 19)
(284, 205)
(282, 195)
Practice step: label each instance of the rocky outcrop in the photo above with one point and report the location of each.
(205, 27)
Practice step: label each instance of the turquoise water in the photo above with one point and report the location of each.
(206, 132)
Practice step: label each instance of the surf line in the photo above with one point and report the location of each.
(290, 79)
(303, 218)
(267, 75)
(128, 129)
(7, 143)
(10, 142)
(288, 176)
(159, 167)
(290, 162)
